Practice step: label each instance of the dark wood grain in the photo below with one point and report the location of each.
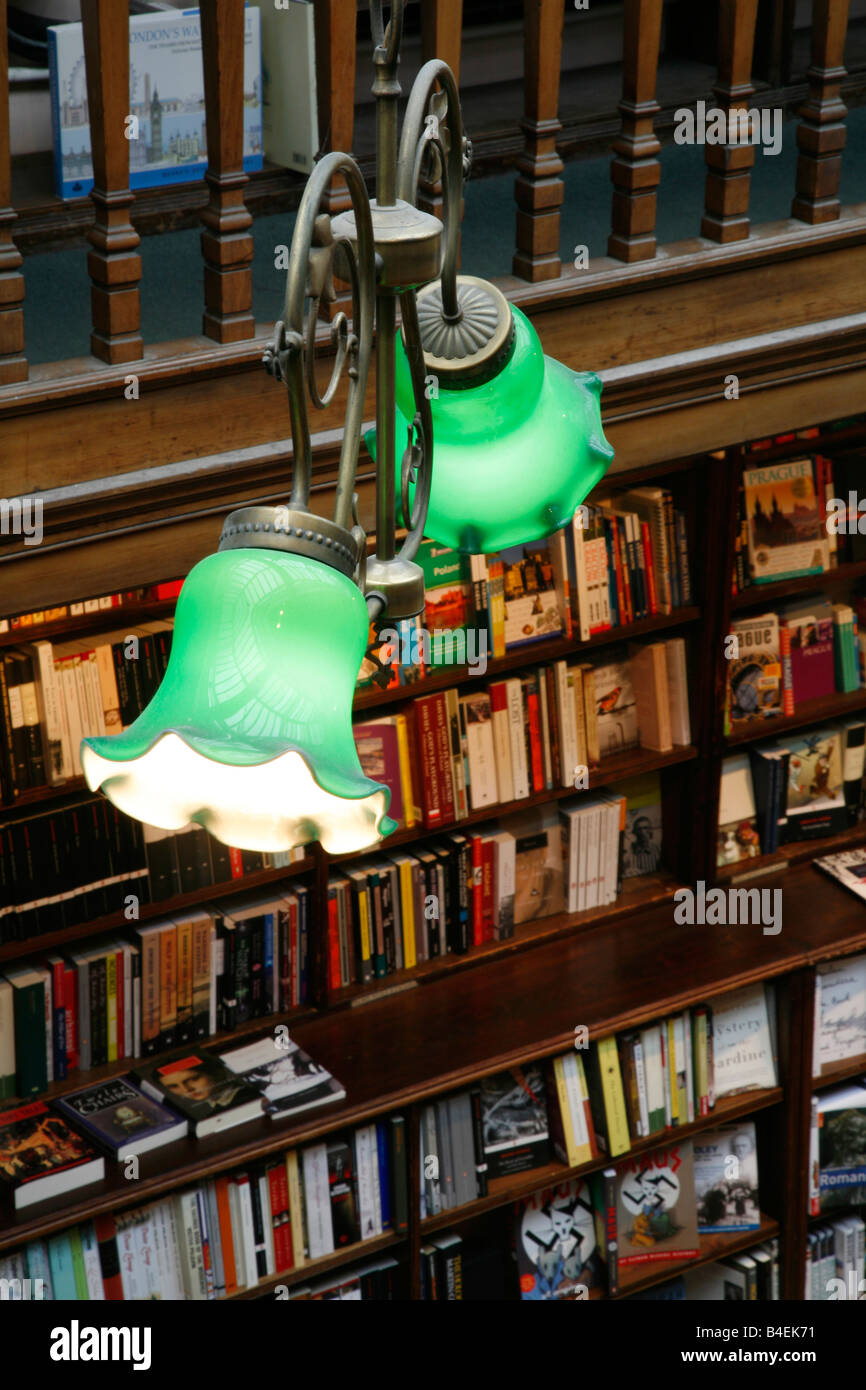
(635, 1278)
(226, 242)
(821, 132)
(13, 363)
(729, 165)
(835, 706)
(114, 263)
(635, 169)
(539, 190)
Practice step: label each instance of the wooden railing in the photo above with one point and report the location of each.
(114, 262)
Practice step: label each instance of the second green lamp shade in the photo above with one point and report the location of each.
(513, 457)
(250, 733)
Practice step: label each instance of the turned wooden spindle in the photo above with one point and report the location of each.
(635, 169)
(114, 264)
(538, 189)
(13, 363)
(441, 37)
(226, 242)
(821, 131)
(729, 166)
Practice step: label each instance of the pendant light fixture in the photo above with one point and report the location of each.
(250, 732)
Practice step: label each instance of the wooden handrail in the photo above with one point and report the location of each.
(13, 363)
(226, 242)
(114, 263)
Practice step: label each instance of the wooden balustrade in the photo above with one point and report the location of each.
(635, 169)
(821, 132)
(441, 37)
(226, 242)
(729, 165)
(13, 363)
(114, 264)
(539, 190)
(335, 86)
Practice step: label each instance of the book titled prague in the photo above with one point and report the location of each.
(202, 1088)
(41, 1156)
(165, 127)
(784, 524)
(122, 1118)
(656, 1218)
(288, 1079)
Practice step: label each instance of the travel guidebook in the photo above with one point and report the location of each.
(41, 1156)
(165, 125)
(785, 535)
(122, 1118)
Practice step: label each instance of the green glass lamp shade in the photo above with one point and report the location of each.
(512, 457)
(250, 733)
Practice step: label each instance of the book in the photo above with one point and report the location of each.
(726, 1178)
(738, 836)
(42, 1156)
(289, 1080)
(755, 668)
(203, 1089)
(514, 1118)
(616, 707)
(655, 1206)
(533, 605)
(559, 1250)
(743, 1053)
(848, 868)
(785, 537)
(840, 1011)
(642, 843)
(165, 126)
(840, 1116)
(815, 802)
(121, 1118)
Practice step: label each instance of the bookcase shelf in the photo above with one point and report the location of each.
(835, 706)
(636, 1278)
(848, 1070)
(148, 912)
(795, 852)
(314, 1269)
(765, 595)
(504, 1191)
(85, 624)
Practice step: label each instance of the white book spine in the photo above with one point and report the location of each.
(267, 1223)
(582, 859)
(640, 1077)
(248, 1231)
(567, 730)
(238, 1244)
(368, 1212)
(519, 766)
(318, 1202)
(580, 599)
(92, 1267)
(690, 1078)
(573, 1091)
(502, 750)
(216, 1253)
(592, 861)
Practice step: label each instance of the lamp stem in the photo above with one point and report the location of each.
(386, 327)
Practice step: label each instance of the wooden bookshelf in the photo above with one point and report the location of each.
(766, 595)
(794, 853)
(840, 1072)
(636, 1278)
(312, 1270)
(808, 712)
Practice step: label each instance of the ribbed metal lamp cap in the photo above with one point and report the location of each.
(473, 347)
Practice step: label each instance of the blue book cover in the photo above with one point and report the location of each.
(166, 126)
(62, 1267)
(384, 1173)
(121, 1118)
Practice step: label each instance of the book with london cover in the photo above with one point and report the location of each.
(289, 1080)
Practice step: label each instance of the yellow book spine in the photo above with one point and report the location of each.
(111, 1003)
(365, 926)
(565, 1112)
(296, 1208)
(408, 916)
(614, 1099)
(410, 811)
(672, 1074)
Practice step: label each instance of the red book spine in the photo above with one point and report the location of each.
(650, 567)
(237, 863)
(427, 749)
(278, 1184)
(553, 721)
(536, 754)
(487, 931)
(477, 892)
(443, 760)
(787, 669)
(70, 1006)
(109, 1260)
(334, 980)
(622, 545)
(617, 571)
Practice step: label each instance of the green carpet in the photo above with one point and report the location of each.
(57, 307)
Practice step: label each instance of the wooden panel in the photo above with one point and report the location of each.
(441, 35)
(821, 132)
(335, 85)
(114, 264)
(538, 190)
(729, 166)
(226, 243)
(13, 364)
(635, 170)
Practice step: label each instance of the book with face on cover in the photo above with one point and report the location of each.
(202, 1088)
(42, 1156)
(726, 1178)
(122, 1118)
(288, 1079)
